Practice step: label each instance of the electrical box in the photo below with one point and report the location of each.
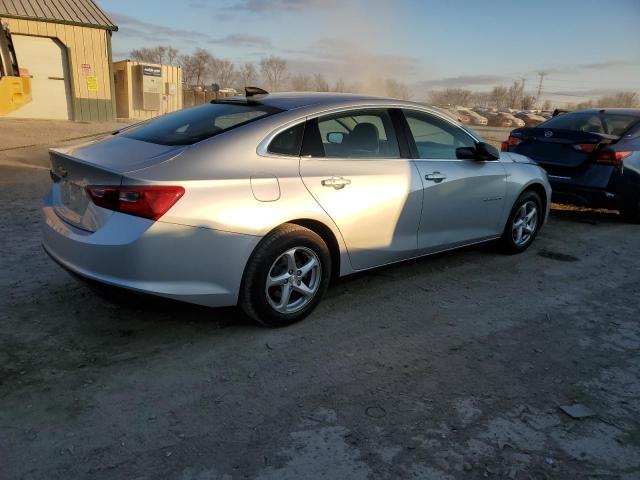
(151, 87)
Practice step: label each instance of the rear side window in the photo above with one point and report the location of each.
(436, 138)
(602, 123)
(288, 142)
(192, 125)
(356, 134)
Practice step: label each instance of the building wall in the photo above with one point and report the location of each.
(85, 46)
(128, 90)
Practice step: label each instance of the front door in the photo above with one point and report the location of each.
(351, 165)
(463, 200)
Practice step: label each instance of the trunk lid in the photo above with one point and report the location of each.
(560, 152)
(97, 163)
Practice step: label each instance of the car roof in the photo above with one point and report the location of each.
(623, 111)
(295, 100)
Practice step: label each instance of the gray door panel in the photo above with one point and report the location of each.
(463, 202)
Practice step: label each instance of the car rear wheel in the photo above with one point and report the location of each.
(524, 222)
(286, 276)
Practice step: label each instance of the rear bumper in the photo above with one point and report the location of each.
(585, 197)
(195, 265)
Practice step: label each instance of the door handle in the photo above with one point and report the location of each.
(336, 182)
(435, 177)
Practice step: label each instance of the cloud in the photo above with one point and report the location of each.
(244, 40)
(277, 6)
(151, 32)
(614, 63)
(465, 81)
(134, 27)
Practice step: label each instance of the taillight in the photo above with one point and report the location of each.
(512, 142)
(585, 147)
(608, 157)
(147, 201)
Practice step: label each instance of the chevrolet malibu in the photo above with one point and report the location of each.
(260, 200)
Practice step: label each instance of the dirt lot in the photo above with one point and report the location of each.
(452, 366)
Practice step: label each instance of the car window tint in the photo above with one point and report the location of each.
(359, 134)
(436, 138)
(288, 142)
(604, 123)
(192, 125)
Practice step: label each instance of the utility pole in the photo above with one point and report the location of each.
(542, 75)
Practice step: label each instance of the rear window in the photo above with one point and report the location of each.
(601, 123)
(192, 125)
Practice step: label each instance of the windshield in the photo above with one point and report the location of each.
(602, 123)
(195, 124)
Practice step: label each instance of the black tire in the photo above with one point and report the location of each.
(508, 243)
(253, 295)
(630, 211)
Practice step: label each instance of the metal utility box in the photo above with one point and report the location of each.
(146, 90)
(151, 79)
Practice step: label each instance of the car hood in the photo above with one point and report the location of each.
(517, 158)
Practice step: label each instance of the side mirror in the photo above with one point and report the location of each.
(335, 137)
(466, 153)
(487, 152)
(482, 151)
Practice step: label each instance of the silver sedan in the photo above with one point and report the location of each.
(260, 200)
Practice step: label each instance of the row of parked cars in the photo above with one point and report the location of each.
(492, 117)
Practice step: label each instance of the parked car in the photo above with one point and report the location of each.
(530, 119)
(499, 119)
(592, 157)
(515, 121)
(260, 200)
(474, 118)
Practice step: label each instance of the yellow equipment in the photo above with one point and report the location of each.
(15, 82)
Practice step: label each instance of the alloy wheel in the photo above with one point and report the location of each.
(293, 280)
(525, 223)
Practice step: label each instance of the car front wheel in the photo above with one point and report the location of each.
(523, 224)
(286, 276)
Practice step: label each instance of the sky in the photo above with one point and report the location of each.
(586, 47)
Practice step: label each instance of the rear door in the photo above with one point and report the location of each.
(351, 164)
(463, 200)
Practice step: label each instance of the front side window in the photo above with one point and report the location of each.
(186, 127)
(436, 138)
(356, 134)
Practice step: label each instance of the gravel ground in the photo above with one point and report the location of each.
(453, 366)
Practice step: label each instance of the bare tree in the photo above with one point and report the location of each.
(159, 54)
(248, 75)
(274, 71)
(196, 67)
(320, 83)
(481, 99)
(452, 96)
(340, 86)
(528, 102)
(499, 96)
(301, 83)
(171, 55)
(396, 89)
(620, 100)
(547, 105)
(223, 72)
(515, 95)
